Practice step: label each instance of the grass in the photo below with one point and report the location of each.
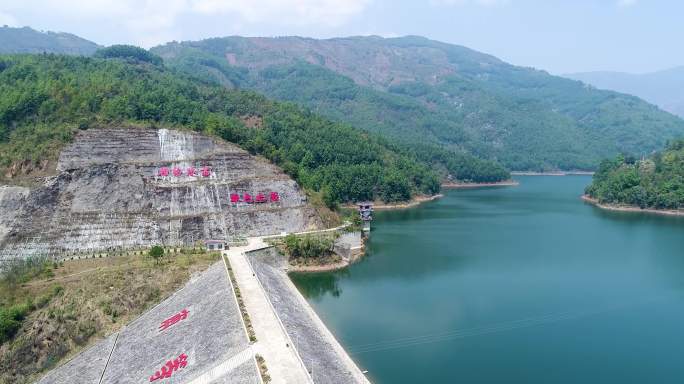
(263, 370)
(70, 305)
(241, 303)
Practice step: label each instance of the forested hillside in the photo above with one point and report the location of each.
(28, 40)
(439, 95)
(44, 99)
(656, 182)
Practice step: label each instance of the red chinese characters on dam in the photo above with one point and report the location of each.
(182, 315)
(170, 367)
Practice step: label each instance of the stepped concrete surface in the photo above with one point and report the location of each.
(324, 358)
(87, 367)
(209, 333)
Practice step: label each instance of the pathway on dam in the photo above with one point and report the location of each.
(282, 360)
(280, 313)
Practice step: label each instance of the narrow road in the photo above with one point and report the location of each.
(283, 362)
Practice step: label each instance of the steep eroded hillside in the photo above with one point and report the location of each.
(110, 195)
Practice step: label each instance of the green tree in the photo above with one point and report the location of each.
(156, 253)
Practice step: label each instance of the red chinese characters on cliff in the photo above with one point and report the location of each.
(170, 367)
(206, 171)
(190, 171)
(182, 315)
(259, 198)
(247, 197)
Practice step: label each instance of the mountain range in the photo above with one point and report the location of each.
(662, 88)
(426, 92)
(28, 40)
(446, 104)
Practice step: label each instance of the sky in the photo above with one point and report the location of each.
(560, 36)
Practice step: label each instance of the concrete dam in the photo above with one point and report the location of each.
(127, 188)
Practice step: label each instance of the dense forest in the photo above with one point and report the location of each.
(656, 182)
(398, 118)
(45, 99)
(443, 96)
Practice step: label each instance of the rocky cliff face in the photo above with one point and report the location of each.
(109, 195)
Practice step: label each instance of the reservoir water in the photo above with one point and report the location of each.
(512, 285)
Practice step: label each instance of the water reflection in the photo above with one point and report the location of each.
(315, 285)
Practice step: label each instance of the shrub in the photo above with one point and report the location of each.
(156, 253)
(308, 246)
(10, 320)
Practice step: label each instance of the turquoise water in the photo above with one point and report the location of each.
(512, 285)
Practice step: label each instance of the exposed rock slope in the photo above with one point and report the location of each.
(108, 195)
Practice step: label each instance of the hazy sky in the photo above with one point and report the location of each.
(558, 36)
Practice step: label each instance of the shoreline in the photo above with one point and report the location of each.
(631, 208)
(553, 173)
(330, 267)
(415, 201)
(358, 254)
(505, 183)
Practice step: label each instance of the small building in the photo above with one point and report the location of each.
(366, 214)
(215, 245)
